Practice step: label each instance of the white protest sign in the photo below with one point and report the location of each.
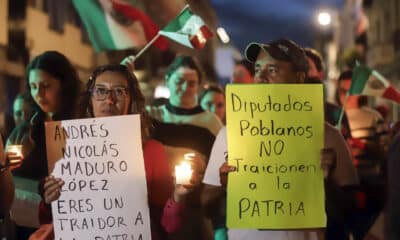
(101, 161)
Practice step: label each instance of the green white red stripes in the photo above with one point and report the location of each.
(113, 25)
(187, 29)
(366, 81)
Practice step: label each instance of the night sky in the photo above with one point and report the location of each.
(265, 20)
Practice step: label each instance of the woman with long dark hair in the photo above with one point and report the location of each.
(53, 85)
(112, 90)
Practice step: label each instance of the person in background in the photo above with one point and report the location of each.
(340, 200)
(184, 127)
(315, 64)
(280, 61)
(243, 72)
(386, 114)
(212, 99)
(392, 210)
(367, 129)
(315, 74)
(111, 91)
(22, 109)
(54, 86)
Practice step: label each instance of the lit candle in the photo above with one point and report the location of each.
(189, 156)
(17, 149)
(183, 173)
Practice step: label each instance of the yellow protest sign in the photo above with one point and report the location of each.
(275, 134)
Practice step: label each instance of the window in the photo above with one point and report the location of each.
(56, 9)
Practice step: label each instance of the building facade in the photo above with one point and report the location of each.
(34, 26)
(384, 38)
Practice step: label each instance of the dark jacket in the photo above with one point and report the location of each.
(31, 135)
(392, 220)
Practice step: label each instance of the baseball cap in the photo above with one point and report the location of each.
(281, 49)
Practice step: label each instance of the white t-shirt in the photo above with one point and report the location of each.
(217, 158)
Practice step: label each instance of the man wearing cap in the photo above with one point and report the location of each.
(280, 61)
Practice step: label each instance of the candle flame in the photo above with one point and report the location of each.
(183, 173)
(17, 149)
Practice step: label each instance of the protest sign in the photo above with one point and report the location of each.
(275, 134)
(101, 162)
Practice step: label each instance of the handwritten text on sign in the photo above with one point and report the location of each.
(101, 162)
(275, 134)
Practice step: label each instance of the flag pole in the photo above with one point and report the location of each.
(130, 60)
(147, 46)
(339, 123)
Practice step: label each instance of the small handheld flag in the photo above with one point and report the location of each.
(366, 81)
(187, 29)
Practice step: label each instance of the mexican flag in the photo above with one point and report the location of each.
(366, 81)
(114, 25)
(187, 29)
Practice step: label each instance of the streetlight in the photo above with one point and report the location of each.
(328, 41)
(223, 35)
(324, 18)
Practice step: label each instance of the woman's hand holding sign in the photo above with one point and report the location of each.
(52, 189)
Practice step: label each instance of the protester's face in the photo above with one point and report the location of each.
(343, 88)
(241, 75)
(270, 70)
(183, 84)
(21, 111)
(313, 71)
(45, 90)
(110, 95)
(215, 103)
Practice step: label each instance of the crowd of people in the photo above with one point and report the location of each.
(359, 160)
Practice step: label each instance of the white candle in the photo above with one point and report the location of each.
(183, 173)
(17, 149)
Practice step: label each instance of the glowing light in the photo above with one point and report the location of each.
(17, 150)
(183, 173)
(324, 18)
(161, 92)
(223, 35)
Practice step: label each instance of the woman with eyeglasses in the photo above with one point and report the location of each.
(112, 90)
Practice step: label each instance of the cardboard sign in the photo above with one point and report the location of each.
(105, 193)
(275, 134)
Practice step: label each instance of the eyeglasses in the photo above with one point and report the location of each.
(101, 93)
